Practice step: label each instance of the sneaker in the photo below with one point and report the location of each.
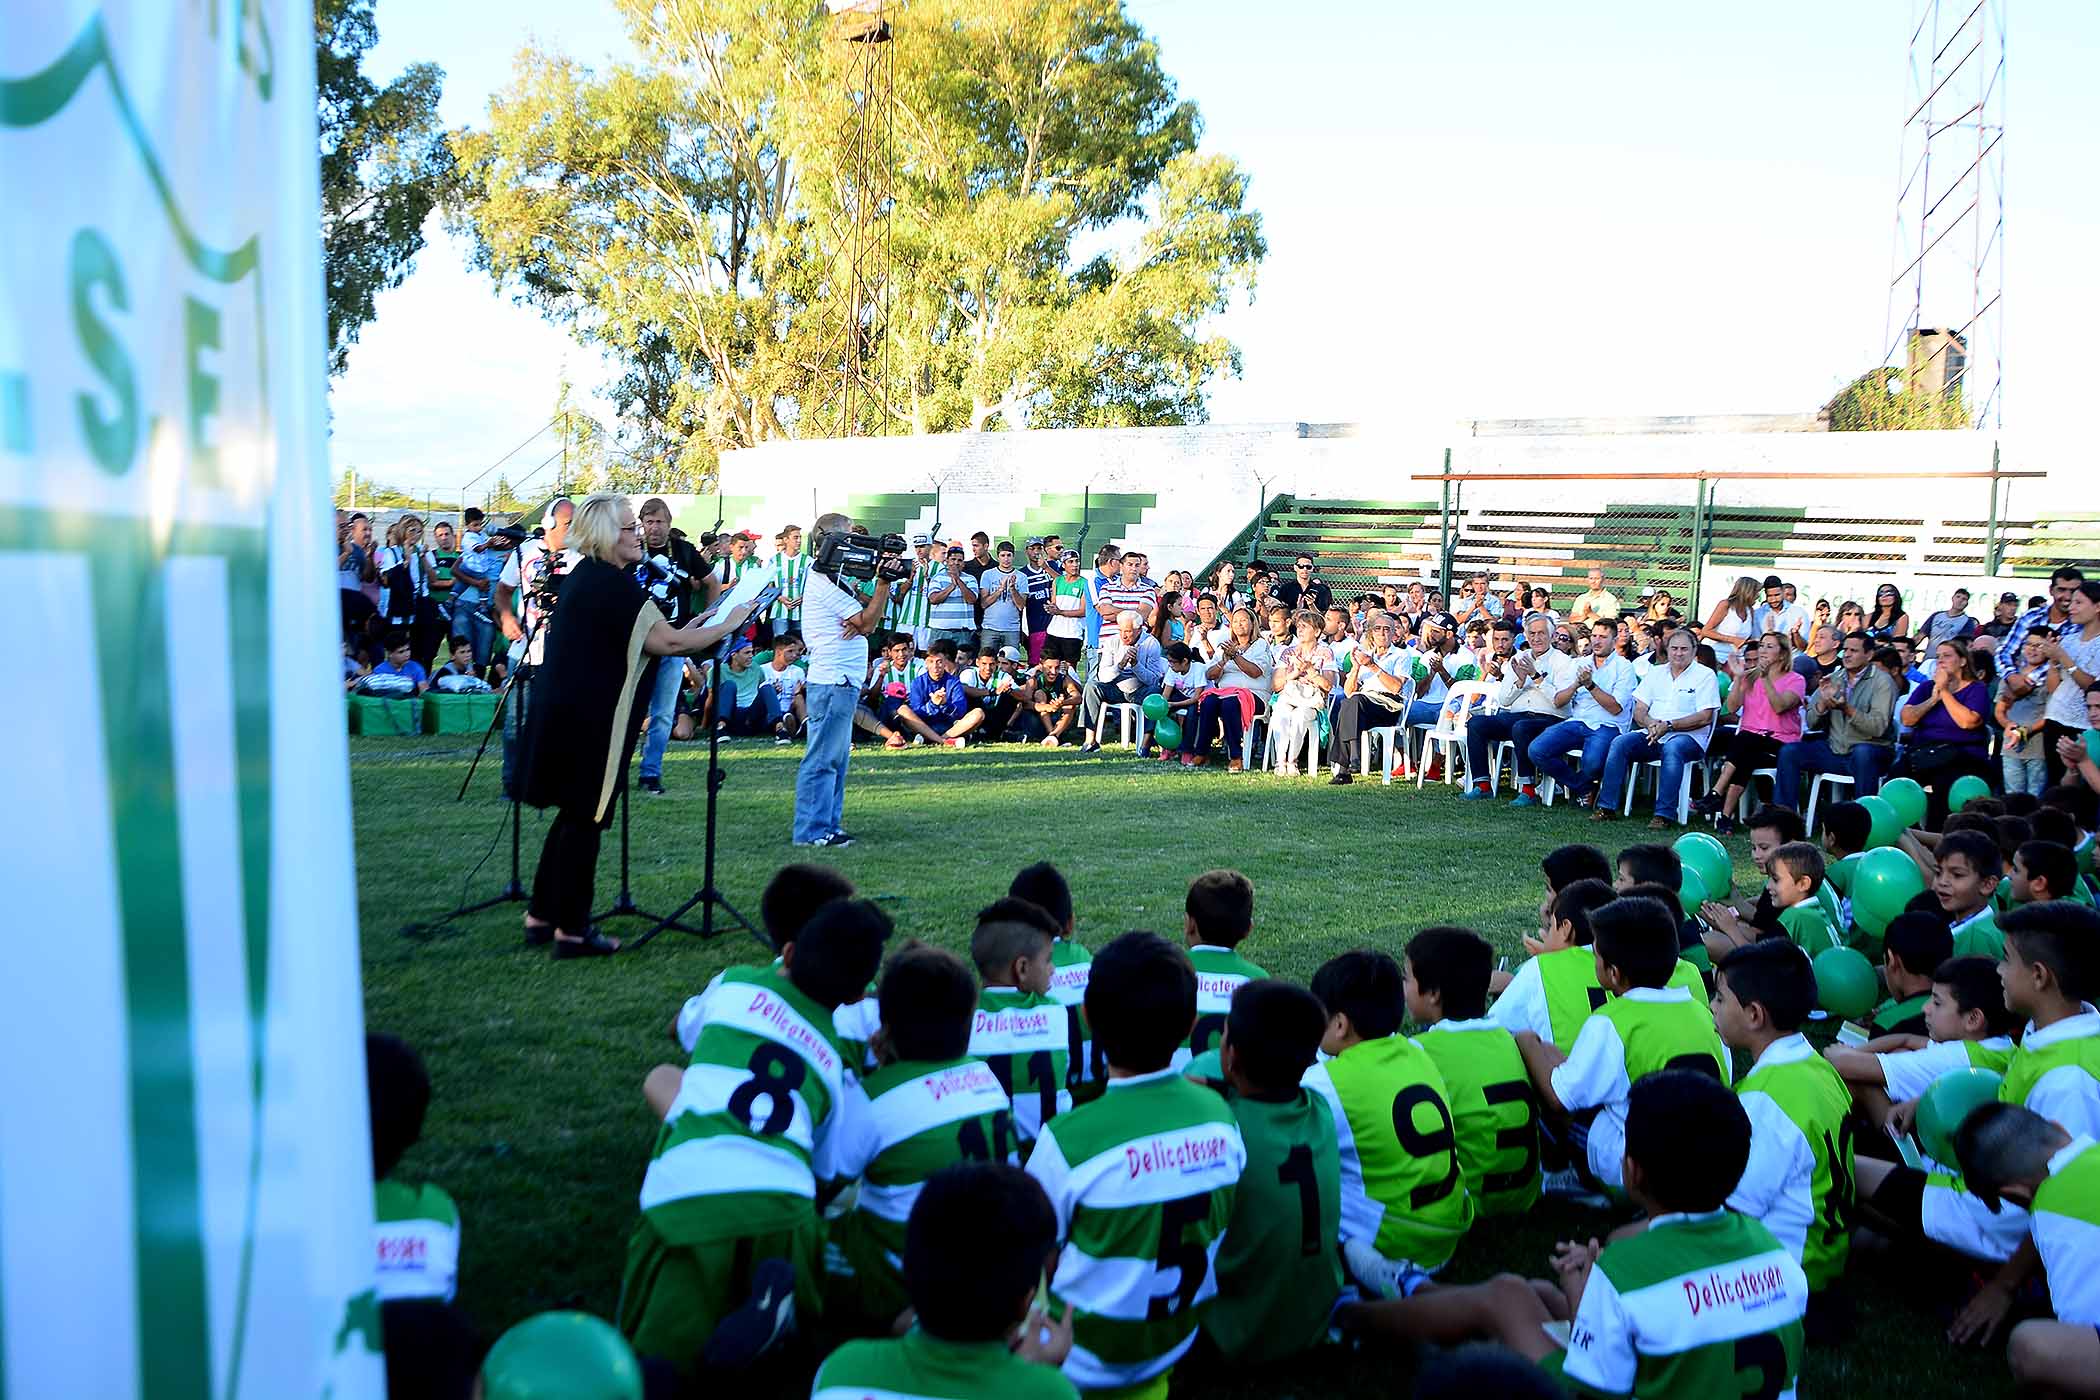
(835, 840)
(1090, 746)
(1569, 1186)
(1478, 793)
(1378, 1276)
(1342, 778)
(780, 738)
(1725, 825)
(1287, 770)
(653, 786)
(955, 743)
(1526, 798)
(755, 1328)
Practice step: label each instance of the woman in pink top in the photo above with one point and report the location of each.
(1768, 693)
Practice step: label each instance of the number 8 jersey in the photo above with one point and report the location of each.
(1403, 1190)
(750, 1133)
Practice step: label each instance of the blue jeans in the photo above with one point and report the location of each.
(1423, 712)
(1864, 764)
(663, 708)
(480, 632)
(1675, 751)
(1486, 731)
(1549, 753)
(820, 783)
(2029, 775)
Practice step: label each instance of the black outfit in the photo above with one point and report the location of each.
(1367, 709)
(581, 729)
(1314, 596)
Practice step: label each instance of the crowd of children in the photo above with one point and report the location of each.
(1035, 1171)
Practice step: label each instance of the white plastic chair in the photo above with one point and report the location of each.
(1684, 797)
(1270, 758)
(1746, 807)
(1390, 739)
(1815, 794)
(1261, 717)
(1456, 708)
(1131, 718)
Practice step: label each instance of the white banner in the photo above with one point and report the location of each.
(185, 1181)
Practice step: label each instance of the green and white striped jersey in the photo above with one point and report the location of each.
(1403, 1190)
(1070, 967)
(1219, 973)
(1025, 1040)
(1143, 1181)
(2066, 1225)
(896, 1128)
(417, 1230)
(920, 1367)
(1684, 1309)
(1495, 1111)
(1798, 1180)
(788, 572)
(752, 1129)
(907, 605)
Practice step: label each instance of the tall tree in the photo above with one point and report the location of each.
(384, 164)
(1880, 401)
(692, 215)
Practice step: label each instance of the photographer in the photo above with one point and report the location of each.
(669, 571)
(836, 622)
(534, 569)
(598, 661)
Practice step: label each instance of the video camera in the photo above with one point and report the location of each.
(841, 556)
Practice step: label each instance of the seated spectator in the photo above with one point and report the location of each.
(1439, 663)
(939, 711)
(2004, 613)
(1338, 631)
(1526, 701)
(1821, 658)
(1595, 603)
(355, 668)
(1181, 685)
(1598, 702)
(1539, 603)
(1281, 632)
(1372, 696)
(889, 686)
(784, 679)
(1050, 707)
(1128, 670)
(1238, 679)
(1476, 604)
(1207, 630)
(1888, 620)
(1951, 623)
(1660, 605)
(399, 663)
(745, 706)
(1303, 590)
(1673, 712)
(1947, 735)
(993, 689)
(458, 675)
(1856, 703)
(1304, 676)
(1768, 694)
(416, 1226)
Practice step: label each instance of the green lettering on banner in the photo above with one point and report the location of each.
(111, 437)
(200, 332)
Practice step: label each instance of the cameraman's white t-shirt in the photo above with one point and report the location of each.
(834, 658)
(526, 566)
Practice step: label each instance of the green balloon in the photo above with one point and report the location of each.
(1967, 788)
(561, 1356)
(1845, 983)
(1167, 733)
(1882, 883)
(1691, 891)
(1703, 852)
(1155, 707)
(1207, 1065)
(1948, 1103)
(1886, 827)
(1906, 797)
(1840, 872)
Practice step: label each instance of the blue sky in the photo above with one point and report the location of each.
(1504, 209)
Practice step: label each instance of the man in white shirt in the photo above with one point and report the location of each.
(1525, 702)
(836, 622)
(1599, 706)
(1597, 604)
(530, 570)
(1673, 711)
(1777, 614)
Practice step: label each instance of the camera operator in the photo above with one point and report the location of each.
(836, 622)
(534, 569)
(672, 570)
(602, 645)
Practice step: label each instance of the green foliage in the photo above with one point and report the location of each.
(1880, 401)
(1057, 243)
(384, 164)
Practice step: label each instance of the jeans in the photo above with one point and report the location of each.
(961, 636)
(1483, 732)
(513, 725)
(1549, 753)
(989, 638)
(1675, 751)
(820, 783)
(758, 717)
(663, 708)
(1864, 764)
(1423, 712)
(2028, 775)
(479, 631)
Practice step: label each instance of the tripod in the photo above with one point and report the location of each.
(623, 906)
(707, 897)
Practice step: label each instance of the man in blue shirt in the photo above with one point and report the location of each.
(937, 710)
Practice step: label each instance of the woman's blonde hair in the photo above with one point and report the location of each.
(1786, 648)
(595, 530)
(1743, 597)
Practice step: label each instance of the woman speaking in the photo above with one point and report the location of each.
(603, 639)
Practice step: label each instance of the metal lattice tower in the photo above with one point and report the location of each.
(1946, 302)
(866, 182)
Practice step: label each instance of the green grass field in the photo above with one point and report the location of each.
(538, 1128)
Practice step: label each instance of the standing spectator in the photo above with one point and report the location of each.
(1539, 603)
(480, 564)
(1128, 592)
(1595, 603)
(790, 567)
(1732, 624)
(1781, 614)
(1951, 623)
(1065, 637)
(1303, 591)
(1598, 701)
(1108, 567)
(1130, 668)
(1660, 605)
(405, 567)
(980, 557)
(1526, 702)
(2019, 714)
(1207, 630)
(1373, 690)
(1171, 625)
(444, 553)
(1858, 702)
(1768, 694)
(1002, 598)
(1673, 712)
(674, 599)
(734, 563)
(520, 604)
(2075, 652)
(1819, 623)
(1036, 581)
(2049, 617)
(2004, 616)
(1888, 620)
(1222, 586)
(1051, 706)
(952, 603)
(908, 608)
(1304, 675)
(353, 571)
(1239, 679)
(1822, 656)
(1945, 720)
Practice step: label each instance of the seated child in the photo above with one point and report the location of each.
(785, 680)
(2042, 871)
(1652, 864)
(938, 710)
(1044, 886)
(1020, 1031)
(417, 1227)
(729, 1202)
(2016, 1155)
(1798, 1180)
(1218, 915)
(1562, 867)
(1969, 868)
(745, 706)
(975, 1247)
(930, 1106)
(1279, 1268)
(1966, 1025)
(1141, 1179)
(1554, 993)
(2055, 825)
(1729, 928)
(2082, 805)
(1914, 943)
(1847, 828)
(1404, 1200)
(354, 667)
(890, 681)
(399, 662)
(461, 665)
(1496, 1116)
(1794, 884)
(1645, 1025)
(1182, 683)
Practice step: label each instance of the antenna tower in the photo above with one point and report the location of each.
(867, 177)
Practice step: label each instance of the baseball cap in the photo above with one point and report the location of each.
(745, 535)
(737, 645)
(1068, 554)
(918, 540)
(1009, 653)
(1444, 620)
(2008, 597)
(1033, 541)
